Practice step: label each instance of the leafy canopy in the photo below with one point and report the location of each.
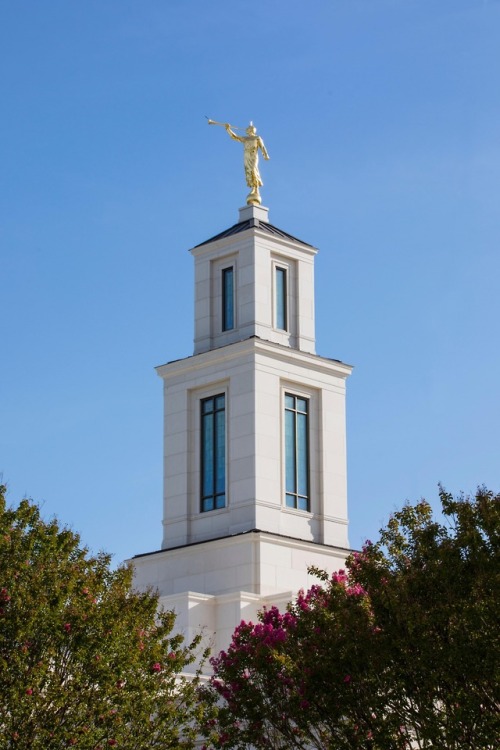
(399, 651)
(85, 661)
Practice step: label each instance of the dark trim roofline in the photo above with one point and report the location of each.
(242, 226)
(233, 536)
(253, 336)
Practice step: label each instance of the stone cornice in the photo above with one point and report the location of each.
(254, 536)
(250, 346)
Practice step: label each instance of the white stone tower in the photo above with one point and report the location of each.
(254, 437)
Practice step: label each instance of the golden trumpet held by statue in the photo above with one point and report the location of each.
(224, 124)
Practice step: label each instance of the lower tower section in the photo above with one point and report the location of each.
(213, 585)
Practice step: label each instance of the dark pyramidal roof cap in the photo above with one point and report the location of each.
(242, 226)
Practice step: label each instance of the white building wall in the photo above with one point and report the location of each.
(254, 255)
(219, 567)
(214, 585)
(254, 375)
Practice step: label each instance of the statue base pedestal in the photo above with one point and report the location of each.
(253, 197)
(253, 212)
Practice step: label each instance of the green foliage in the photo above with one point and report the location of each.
(85, 662)
(400, 651)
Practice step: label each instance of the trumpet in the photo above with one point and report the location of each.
(214, 122)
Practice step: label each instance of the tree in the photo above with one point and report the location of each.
(399, 651)
(85, 661)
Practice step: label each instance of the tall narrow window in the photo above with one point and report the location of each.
(227, 299)
(281, 299)
(213, 452)
(296, 452)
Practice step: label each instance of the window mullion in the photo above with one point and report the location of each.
(213, 453)
(214, 456)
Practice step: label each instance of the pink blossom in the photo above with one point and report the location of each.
(347, 678)
(29, 691)
(67, 627)
(289, 620)
(156, 667)
(339, 577)
(280, 635)
(356, 590)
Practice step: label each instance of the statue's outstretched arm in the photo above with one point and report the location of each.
(232, 133)
(263, 149)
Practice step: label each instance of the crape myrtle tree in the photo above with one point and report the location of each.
(399, 651)
(85, 661)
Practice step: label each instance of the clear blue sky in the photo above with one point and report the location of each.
(382, 120)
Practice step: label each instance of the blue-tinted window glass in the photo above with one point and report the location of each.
(302, 503)
(290, 454)
(220, 452)
(208, 455)
(302, 462)
(281, 299)
(296, 452)
(213, 453)
(227, 299)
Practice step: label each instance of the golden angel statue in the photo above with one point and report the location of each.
(251, 145)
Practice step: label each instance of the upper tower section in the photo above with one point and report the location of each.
(254, 279)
